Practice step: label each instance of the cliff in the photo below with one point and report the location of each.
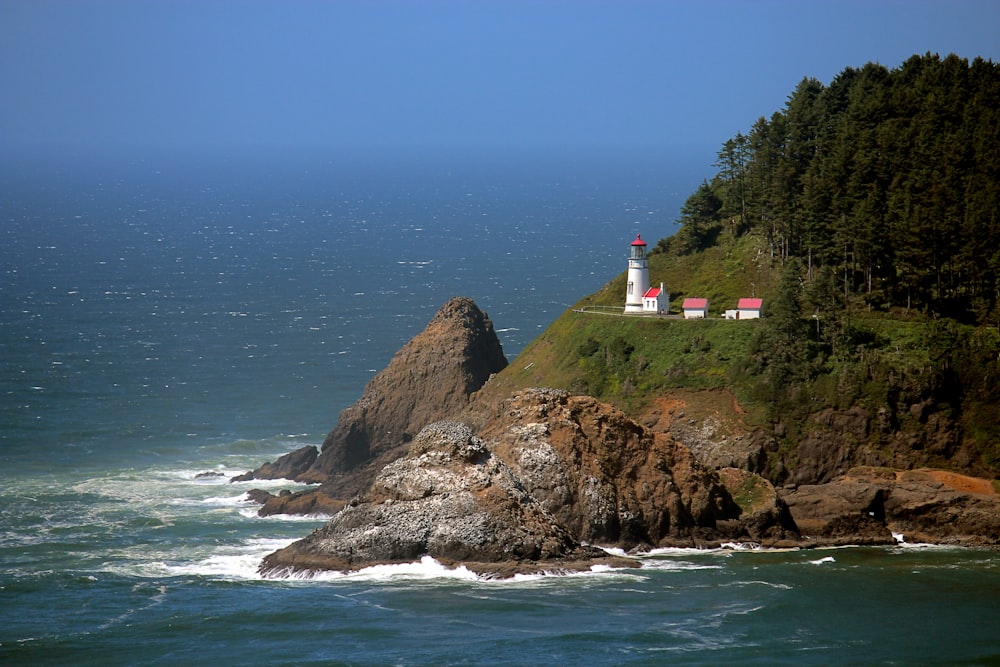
(546, 476)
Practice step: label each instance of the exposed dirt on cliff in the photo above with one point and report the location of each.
(711, 423)
(951, 480)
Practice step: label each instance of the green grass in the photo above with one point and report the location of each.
(752, 494)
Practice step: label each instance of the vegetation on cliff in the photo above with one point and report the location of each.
(867, 215)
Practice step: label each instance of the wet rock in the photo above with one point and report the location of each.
(289, 466)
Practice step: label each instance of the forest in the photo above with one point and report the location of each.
(883, 185)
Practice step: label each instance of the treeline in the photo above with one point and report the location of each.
(885, 182)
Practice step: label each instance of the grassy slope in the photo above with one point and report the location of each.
(631, 362)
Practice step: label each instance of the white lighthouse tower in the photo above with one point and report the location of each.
(638, 276)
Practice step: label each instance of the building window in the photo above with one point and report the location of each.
(630, 287)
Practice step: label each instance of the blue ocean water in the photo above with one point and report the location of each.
(165, 319)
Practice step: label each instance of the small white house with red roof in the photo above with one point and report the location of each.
(695, 308)
(656, 300)
(746, 309)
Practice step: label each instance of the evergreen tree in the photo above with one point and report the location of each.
(889, 178)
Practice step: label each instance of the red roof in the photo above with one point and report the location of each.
(695, 304)
(651, 293)
(750, 304)
(638, 240)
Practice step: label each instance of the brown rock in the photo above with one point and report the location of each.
(604, 477)
(310, 502)
(765, 517)
(429, 379)
(850, 510)
(289, 466)
(451, 499)
(923, 505)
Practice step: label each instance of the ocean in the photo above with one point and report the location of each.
(169, 323)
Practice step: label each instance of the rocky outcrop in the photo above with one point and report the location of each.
(547, 475)
(449, 498)
(844, 512)
(429, 379)
(867, 505)
(611, 481)
(541, 473)
(289, 466)
(764, 517)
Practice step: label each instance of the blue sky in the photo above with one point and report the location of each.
(217, 77)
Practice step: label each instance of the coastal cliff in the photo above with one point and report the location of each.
(521, 480)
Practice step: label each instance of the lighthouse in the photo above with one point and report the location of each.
(638, 276)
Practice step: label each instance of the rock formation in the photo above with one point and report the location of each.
(868, 504)
(611, 481)
(429, 379)
(449, 498)
(289, 466)
(550, 473)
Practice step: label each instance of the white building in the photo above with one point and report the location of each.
(746, 309)
(656, 300)
(638, 276)
(695, 308)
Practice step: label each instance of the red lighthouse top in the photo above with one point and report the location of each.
(638, 240)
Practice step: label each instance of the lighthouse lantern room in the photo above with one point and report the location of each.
(638, 276)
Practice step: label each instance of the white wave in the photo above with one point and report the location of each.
(613, 551)
(741, 546)
(757, 582)
(426, 568)
(240, 500)
(928, 546)
(237, 561)
(249, 511)
(661, 564)
(680, 551)
(430, 569)
(821, 561)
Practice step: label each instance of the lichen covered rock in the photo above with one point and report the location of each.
(450, 498)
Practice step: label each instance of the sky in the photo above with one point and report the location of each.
(211, 77)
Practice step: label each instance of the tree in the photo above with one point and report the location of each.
(699, 217)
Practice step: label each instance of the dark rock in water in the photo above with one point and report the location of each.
(449, 498)
(289, 466)
(431, 378)
(209, 475)
(259, 496)
(308, 502)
